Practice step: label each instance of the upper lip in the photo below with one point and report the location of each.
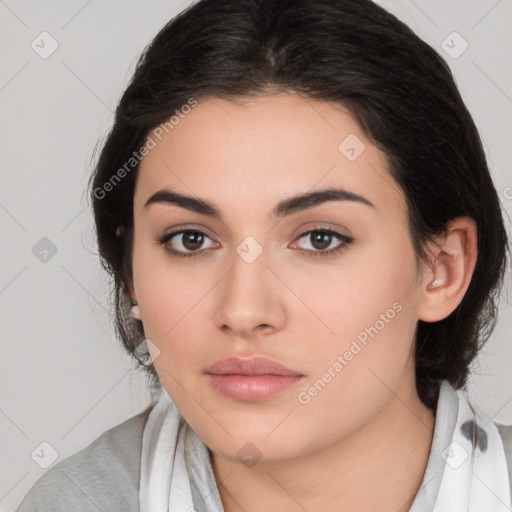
(256, 365)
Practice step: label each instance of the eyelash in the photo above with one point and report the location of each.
(345, 241)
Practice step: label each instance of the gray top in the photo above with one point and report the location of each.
(105, 475)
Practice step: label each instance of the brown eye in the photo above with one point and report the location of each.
(192, 240)
(186, 242)
(321, 241)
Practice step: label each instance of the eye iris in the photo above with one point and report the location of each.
(320, 240)
(192, 240)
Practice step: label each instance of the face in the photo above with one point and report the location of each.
(326, 286)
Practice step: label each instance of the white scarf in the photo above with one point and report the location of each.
(164, 478)
(475, 476)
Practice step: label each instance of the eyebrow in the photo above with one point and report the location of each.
(283, 208)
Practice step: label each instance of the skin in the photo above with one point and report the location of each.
(362, 443)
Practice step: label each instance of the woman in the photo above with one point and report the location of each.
(296, 208)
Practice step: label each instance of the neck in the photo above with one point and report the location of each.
(378, 467)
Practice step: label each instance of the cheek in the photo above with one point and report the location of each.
(172, 298)
(172, 323)
(166, 288)
(369, 304)
(356, 371)
(363, 289)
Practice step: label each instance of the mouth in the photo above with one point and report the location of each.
(251, 379)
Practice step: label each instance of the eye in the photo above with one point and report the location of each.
(187, 242)
(321, 241)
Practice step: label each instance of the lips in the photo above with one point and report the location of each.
(255, 365)
(251, 379)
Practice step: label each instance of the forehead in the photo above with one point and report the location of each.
(263, 149)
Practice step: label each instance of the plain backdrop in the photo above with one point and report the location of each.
(63, 377)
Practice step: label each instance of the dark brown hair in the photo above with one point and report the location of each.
(352, 52)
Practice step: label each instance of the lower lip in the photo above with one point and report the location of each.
(252, 388)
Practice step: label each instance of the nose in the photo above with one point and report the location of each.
(250, 299)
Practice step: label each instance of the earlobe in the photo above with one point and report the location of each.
(134, 306)
(135, 310)
(453, 263)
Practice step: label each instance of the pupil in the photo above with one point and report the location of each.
(321, 240)
(192, 240)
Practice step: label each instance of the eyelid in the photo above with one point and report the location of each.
(325, 227)
(316, 225)
(188, 227)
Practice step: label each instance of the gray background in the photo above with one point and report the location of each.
(63, 378)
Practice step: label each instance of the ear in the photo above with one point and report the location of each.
(453, 262)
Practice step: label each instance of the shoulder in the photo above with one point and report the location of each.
(505, 433)
(506, 437)
(102, 476)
